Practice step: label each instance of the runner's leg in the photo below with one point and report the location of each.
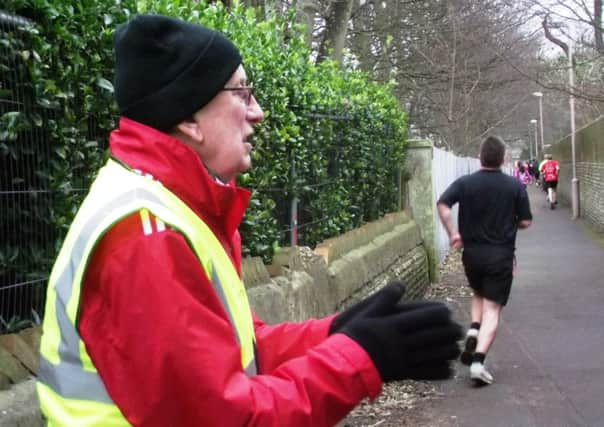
(472, 333)
(476, 310)
(491, 315)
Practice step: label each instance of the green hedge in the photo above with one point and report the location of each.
(332, 139)
(55, 116)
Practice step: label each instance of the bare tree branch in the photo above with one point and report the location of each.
(551, 37)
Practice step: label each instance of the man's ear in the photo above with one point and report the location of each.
(190, 128)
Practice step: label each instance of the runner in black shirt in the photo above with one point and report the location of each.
(492, 206)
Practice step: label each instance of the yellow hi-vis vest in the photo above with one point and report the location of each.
(70, 390)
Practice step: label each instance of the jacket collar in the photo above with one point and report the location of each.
(180, 170)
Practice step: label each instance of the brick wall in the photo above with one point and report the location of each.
(591, 179)
(589, 158)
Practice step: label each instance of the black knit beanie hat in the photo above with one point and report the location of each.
(167, 69)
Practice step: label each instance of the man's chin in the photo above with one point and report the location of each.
(246, 164)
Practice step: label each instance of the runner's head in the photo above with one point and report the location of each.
(492, 152)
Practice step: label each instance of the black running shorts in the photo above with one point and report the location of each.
(489, 270)
(551, 184)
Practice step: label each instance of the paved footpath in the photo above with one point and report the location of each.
(548, 357)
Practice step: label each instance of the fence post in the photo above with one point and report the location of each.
(420, 195)
(399, 189)
(293, 218)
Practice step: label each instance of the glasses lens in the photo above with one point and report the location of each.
(245, 92)
(250, 93)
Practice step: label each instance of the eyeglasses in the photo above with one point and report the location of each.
(246, 92)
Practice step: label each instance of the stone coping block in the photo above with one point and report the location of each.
(19, 356)
(254, 272)
(334, 248)
(307, 287)
(359, 267)
(19, 349)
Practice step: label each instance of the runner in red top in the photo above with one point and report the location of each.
(550, 170)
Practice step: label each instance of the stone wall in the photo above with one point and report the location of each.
(589, 157)
(19, 357)
(428, 171)
(420, 195)
(300, 284)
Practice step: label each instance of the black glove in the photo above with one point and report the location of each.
(392, 291)
(414, 340)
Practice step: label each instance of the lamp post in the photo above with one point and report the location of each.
(540, 96)
(574, 188)
(530, 143)
(533, 121)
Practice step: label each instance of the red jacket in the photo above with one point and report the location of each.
(160, 339)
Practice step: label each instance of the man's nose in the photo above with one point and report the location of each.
(254, 111)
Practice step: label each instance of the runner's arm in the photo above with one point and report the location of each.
(525, 223)
(525, 217)
(444, 212)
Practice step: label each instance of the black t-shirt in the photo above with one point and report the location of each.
(491, 204)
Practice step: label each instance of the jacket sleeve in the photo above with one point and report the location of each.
(284, 341)
(166, 352)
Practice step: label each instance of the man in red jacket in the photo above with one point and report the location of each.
(162, 334)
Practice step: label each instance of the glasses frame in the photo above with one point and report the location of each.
(249, 89)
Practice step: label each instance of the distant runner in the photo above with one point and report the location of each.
(521, 173)
(550, 170)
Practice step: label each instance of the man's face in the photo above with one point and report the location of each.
(226, 124)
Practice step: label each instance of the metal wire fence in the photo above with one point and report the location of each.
(28, 237)
(24, 195)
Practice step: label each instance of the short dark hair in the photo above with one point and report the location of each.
(492, 151)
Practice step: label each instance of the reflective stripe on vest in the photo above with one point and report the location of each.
(66, 371)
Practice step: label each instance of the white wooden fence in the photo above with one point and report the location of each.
(446, 168)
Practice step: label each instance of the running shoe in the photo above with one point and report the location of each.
(480, 375)
(470, 348)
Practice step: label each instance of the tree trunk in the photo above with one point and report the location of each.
(226, 3)
(306, 11)
(598, 26)
(336, 26)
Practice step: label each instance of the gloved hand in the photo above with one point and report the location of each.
(389, 292)
(414, 340)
